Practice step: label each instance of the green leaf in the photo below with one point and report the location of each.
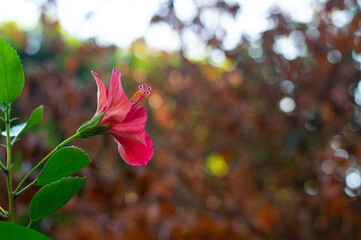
(63, 163)
(54, 196)
(11, 73)
(15, 130)
(10, 231)
(35, 117)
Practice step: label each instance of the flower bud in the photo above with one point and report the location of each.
(91, 128)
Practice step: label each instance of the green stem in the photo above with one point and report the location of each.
(3, 212)
(30, 223)
(42, 161)
(9, 165)
(2, 166)
(3, 215)
(14, 140)
(22, 190)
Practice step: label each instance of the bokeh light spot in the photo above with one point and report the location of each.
(341, 153)
(357, 93)
(155, 100)
(311, 187)
(329, 166)
(217, 57)
(255, 53)
(287, 86)
(185, 10)
(217, 165)
(341, 18)
(336, 142)
(131, 198)
(287, 105)
(334, 56)
(162, 36)
(353, 179)
(349, 192)
(139, 75)
(291, 46)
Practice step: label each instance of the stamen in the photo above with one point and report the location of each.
(141, 96)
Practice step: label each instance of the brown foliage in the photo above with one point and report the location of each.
(228, 163)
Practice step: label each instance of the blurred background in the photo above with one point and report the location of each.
(255, 115)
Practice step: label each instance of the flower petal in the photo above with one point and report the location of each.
(118, 104)
(134, 153)
(101, 95)
(132, 126)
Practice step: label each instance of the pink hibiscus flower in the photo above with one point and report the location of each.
(126, 118)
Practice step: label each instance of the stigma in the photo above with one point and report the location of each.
(141, 96)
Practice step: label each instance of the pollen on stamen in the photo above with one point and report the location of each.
(141, 96)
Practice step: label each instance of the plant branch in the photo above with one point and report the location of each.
(16, 194)
(9, 164)
(14, 140)
(30, 224)
(3, 213)
(44, 159)
(2, 166)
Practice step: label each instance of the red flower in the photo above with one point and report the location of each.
(127, 119)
